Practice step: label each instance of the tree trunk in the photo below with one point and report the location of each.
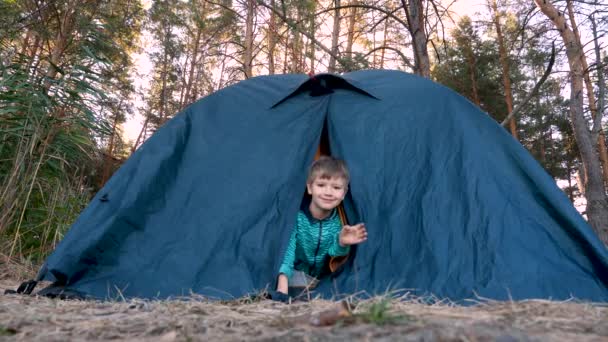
(506, 70)
(597, 201)
(59, 45)
(296, 50)
(272, 38)
(286, 55)
(570, 190)
(184, 79)
(163, 89)
(33, 61)
(193, 66)
(248, 56)
(601, 141)
(199, 78)
(581, 181)
(220, 83)
(541, 139)
(141, 135)
(311, 51)
(472, 63)
(415, 19)
(382, 52)
(26, 43)
(350, 37)
(542, 151)
(335, 34)
(301, 44)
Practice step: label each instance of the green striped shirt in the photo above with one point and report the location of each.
(311, 242)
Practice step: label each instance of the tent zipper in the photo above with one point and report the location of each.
(314, 264)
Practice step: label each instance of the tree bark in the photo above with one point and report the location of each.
(311, 51)
(200, 77)
(296, 50)
(542, 144)
(506, 70)
(350, 37)
(32, 62)
(193, 65)
(601, 141)
(335, 34)
(384, 36)
(141, 136)
(472, 63)
(66, 26)
(581, 181)
(272, 38)
(220, 83)
(597, 201)
(163, 89)
(296, 27)
(415, 19)
(570, 190)
(286, 55)
(248, 55)
(26, 43)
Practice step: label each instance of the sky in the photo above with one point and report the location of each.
(143, 67)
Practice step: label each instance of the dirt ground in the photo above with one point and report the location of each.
(27, 318)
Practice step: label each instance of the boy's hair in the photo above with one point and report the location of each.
(328, 167)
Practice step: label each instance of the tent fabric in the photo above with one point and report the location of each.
(454, 206)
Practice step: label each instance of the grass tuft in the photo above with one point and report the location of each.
(379, 312)
(4, 331)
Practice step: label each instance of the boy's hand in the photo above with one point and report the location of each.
(352, 235)
(283, 284)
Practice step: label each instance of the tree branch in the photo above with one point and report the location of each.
(439, 18)
(384, 47)
(385, 17)
(534, 91)
(294, 26)
(595, 2)
(227, 8)
(370, 7)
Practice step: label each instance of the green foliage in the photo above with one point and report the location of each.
(543, 126)
(54, 115)
(7, 331)
(183, 31)
(47, 131)
(9, 18)
(379, 312)
(467, 56)
(357, 62)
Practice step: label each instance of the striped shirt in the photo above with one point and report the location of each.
(311, 242)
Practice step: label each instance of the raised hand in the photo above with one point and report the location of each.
(352, 235)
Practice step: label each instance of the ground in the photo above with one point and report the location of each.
(26, 318)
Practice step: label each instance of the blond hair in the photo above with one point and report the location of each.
(328, 167)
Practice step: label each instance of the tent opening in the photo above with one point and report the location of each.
(324, 150)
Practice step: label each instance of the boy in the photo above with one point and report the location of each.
(319, 232)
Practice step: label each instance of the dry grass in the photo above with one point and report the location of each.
(15, 267)
(25, 318)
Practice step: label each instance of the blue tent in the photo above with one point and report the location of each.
(454, 206)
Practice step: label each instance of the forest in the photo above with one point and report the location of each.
(75, 74)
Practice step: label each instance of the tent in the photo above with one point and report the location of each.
(454, 206)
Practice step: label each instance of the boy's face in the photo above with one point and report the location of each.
(327, 192)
